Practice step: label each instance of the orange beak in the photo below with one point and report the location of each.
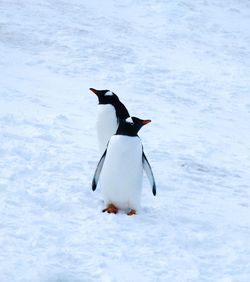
(146, 121)
(94, 90)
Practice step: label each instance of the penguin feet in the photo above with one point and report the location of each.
(111, 209)
(132, 212)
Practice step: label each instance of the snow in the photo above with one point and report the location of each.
(184, 65)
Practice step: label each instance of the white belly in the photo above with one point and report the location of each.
(106, 125)
(121, 176)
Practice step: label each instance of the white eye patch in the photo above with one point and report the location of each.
(109, 93)
(129, 120)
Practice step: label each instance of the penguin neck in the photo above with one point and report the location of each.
(120, 110)
(127, 131)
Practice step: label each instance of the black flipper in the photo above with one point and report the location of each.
(98, 171)
(149, 172)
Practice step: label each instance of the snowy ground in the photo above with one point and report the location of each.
(183, 64)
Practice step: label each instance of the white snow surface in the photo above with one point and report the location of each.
(185, 65)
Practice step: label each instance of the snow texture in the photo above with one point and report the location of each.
(185, 65)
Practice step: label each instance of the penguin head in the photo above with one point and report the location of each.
(131, 126)
(105, 96)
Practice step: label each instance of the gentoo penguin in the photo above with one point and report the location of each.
(111, 112)
(121, 166)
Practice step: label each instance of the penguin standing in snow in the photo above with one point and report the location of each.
(111, 112)
(121, 167)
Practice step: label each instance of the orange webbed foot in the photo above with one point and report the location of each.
(111, 209)
(131, 212)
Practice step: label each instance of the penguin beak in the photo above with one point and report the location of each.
(94, 91)
(146, 121)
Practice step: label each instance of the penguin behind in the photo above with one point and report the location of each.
(111, 112)
(121, 168)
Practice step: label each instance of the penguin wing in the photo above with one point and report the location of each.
(98, 171)
(149, 172)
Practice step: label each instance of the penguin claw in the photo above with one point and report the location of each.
(111, 209)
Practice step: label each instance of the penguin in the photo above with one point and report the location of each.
(120, 169)
(111, 111)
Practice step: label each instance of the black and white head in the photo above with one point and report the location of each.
(131, 126)
(105, 96)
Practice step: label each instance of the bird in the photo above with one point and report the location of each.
(111, 111)
(120, 169)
